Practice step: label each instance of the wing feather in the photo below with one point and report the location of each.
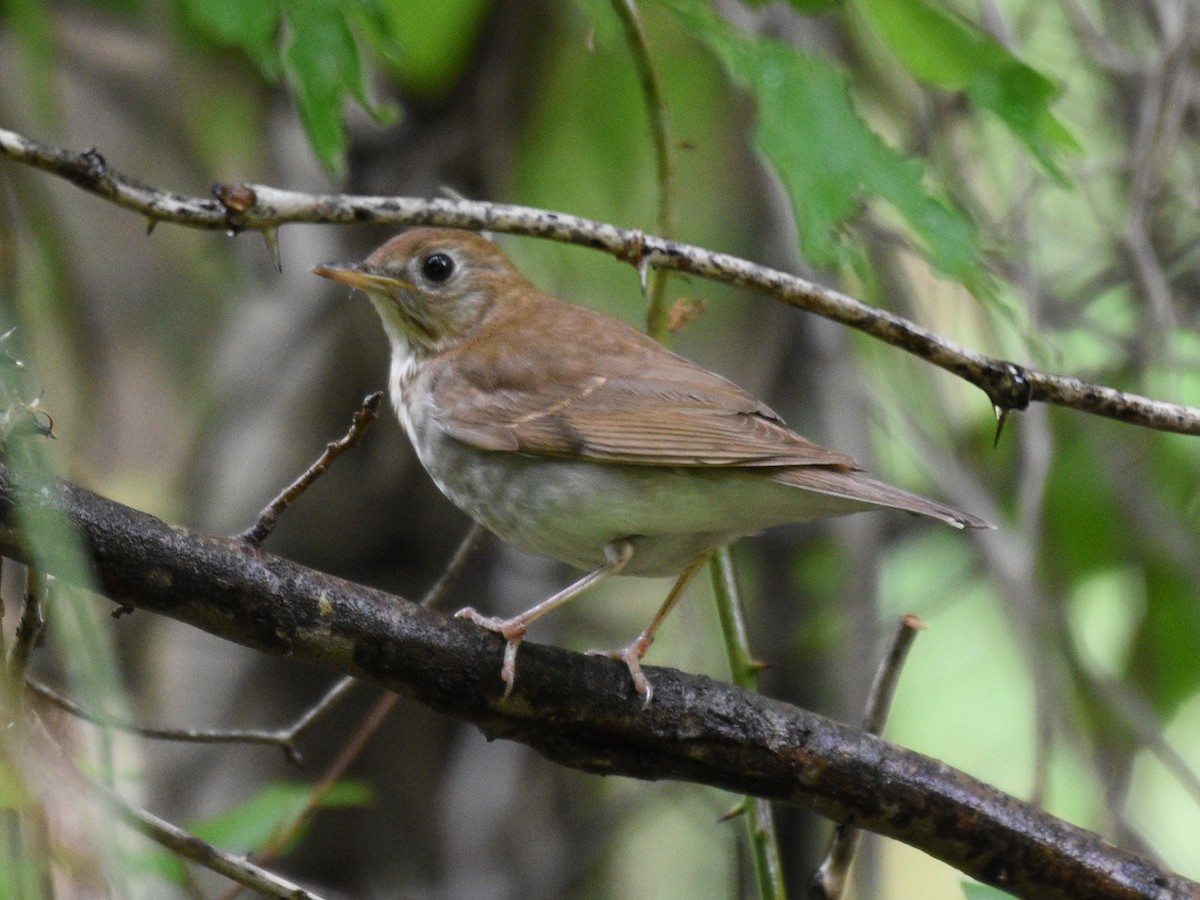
(620, 398)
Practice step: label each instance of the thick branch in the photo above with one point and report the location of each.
(578, 711)
(264, 208)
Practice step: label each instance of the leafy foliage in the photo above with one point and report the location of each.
(943, 50)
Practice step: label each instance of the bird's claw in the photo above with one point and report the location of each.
(631, 655)
(512, 630)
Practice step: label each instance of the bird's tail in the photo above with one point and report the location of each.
(856, 485)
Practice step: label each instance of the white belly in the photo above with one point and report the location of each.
(570, 509)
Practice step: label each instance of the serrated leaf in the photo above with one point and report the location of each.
(941, 49)
(322, 66)
(827, 156)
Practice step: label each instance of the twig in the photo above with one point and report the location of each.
(269, 517)
(829, 881)
(760, 821)
(463, 552)
(657, 313)
(1108, 54)
(29, 625)
(374, 718)
(187, 845)
(337, 768)
(283, 738)
(1009, 386)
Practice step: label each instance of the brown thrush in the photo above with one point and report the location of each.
(570, 434)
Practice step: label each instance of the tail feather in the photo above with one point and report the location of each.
(856, 485)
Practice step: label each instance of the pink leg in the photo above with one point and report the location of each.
(617, 556)
(632, 653)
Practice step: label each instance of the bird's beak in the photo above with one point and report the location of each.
(354, 275)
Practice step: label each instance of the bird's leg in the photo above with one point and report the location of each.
(616, 555)
(632, 653)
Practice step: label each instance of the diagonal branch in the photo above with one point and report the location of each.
(577, 710)
(263, 208)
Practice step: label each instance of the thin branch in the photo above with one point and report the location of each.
(187, 845)
(760, 820)
(462, 553)
(658, 314)
(329, 778)
(374, 719)
(1008, 385)
(578, 710)
(1107, 54)
(29, 625)
(829, 881)
(269, 517)
(283, 738)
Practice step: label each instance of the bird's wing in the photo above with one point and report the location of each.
(619, 398)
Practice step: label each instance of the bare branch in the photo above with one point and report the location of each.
(29, 625)
(658, 314)
(578, 710)
(829, 881)
(283, 738)
(269, 517)
(1008, 385)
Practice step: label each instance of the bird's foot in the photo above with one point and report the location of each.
(512, 630)
(631, 654)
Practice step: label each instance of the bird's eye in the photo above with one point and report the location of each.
(437, 267)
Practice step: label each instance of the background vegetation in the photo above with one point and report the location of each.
(1020, 177)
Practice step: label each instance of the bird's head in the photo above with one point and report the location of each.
(432, 286)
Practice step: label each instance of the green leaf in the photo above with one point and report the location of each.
(322, 65)
(941, 49)
(250, 27)
(249, 825)
(427, 45)
(1163, 659)
(828, 158)
(973, 890)
(30, 23)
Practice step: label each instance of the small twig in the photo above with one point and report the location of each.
(29, 625)
(887, 676)
(657, 313)
(283, 738)
(337, 768)
(463, 552)
(373, 719)
(1008, 385)
(187, 845)
(269, 517)
(760, 820)
(829, 881)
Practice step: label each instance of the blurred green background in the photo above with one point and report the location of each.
(1021, 177)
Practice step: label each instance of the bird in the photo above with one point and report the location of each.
(572, 435)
